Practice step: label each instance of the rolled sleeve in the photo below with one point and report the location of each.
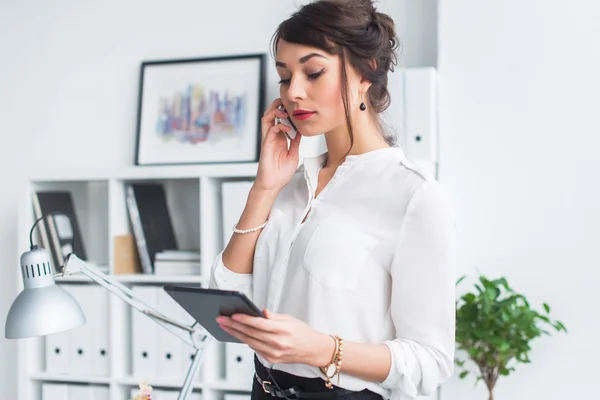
(223, 278)
(423, 295)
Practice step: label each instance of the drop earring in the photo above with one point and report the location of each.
(362, 106)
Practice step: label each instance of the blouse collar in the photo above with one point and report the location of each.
(314, 164)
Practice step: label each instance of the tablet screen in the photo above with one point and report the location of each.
(205, 305)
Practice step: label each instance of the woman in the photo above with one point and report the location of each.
(351, 255)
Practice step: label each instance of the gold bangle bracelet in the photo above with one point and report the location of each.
(333, 368)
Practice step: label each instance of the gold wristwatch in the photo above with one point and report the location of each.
(333, 368)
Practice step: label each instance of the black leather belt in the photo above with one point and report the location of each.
(295, 392)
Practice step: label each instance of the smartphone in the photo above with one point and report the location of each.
(287, 121)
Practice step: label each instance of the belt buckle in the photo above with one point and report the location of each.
(267, 387)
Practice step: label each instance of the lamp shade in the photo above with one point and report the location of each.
(43, 307)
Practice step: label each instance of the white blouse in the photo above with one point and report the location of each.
(374, 262)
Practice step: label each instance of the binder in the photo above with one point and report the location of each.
(99, 393)
(44, 234)
(57, 227)
(412, 115)
(55, 391)
(151, 221)
(79, 392)
(80, 361)
(170, 348)
(421, 114)
(98, 300)
(57, 352)
(156, 352)
(144, 337)
(239, 364)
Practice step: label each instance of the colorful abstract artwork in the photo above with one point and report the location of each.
(196, 115)
(200, 111)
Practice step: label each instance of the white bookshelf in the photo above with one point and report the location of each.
(194, 200)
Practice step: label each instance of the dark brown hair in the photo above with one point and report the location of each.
(360, 35)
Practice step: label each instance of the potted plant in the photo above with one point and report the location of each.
(495, 327)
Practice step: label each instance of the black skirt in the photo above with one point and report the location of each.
(273, 382)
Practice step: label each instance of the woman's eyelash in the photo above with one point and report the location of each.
(311, 76)
(316, 74)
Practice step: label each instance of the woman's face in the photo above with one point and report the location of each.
(310, 87)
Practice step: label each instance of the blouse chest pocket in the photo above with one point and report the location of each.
(336, 253)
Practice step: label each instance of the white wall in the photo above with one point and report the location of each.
(520, 154)
(69, 86)
(519, 144)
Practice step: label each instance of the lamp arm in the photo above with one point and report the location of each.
(197, 336)
(75, 265)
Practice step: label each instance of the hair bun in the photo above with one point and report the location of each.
(386, 23)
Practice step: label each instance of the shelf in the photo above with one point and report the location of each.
(42, 376)
(228, 170)
(138, 278)
(130, 380)
(194, 197)
(162, 383)
(141, 278)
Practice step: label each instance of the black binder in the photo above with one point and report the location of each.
(56, 229)
(150, 221)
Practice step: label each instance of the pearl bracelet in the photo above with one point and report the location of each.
(249, 230)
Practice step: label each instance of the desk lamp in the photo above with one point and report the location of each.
(44, 308)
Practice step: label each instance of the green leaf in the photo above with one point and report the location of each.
(547, 308)
(561, 326)
(495, 326)
(463, 374)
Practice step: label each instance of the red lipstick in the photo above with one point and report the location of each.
(303, 114)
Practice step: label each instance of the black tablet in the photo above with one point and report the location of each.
(205, 305)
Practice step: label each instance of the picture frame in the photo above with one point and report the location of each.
(200, 110)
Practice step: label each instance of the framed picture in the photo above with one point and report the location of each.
(205, 110)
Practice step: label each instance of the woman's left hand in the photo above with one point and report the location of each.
(280, 338)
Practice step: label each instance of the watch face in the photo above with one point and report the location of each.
(330, 370)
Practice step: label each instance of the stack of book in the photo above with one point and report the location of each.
(177, 262)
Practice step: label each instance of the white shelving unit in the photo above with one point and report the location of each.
(194, 200)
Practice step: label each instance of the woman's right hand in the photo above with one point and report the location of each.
(277, 164)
